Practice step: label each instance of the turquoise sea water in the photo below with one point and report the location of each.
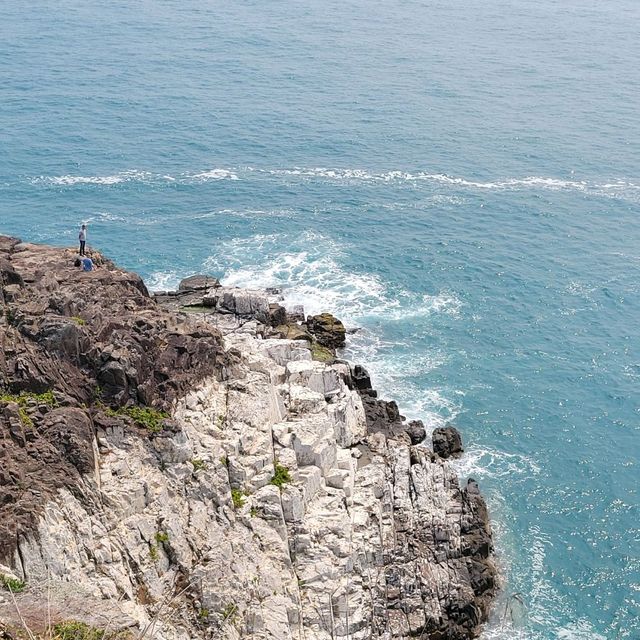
(460, 179)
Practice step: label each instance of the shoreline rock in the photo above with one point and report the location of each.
(176, 447)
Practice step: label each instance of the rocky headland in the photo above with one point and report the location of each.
(200, 464)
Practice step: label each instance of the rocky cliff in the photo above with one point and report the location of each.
(179, 467)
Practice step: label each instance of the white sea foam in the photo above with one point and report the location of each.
(619, 188)
(486, 462)
(163, 281)
(214, 174)
(70, 180)
(135, 175)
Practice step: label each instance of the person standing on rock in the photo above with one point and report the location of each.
(82, 237)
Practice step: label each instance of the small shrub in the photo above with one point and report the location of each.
(281, 476)
(203, 614)
(220, 422)
(238, 498)
(253, 512)
(229, 612)
(147, 417)
(198, 464)
(153, 552)
(79, 321)
(24, 398)
(72, 630)
(15, 585)
(11, 316)
(162, 537)
(225, 461)
(25, 418)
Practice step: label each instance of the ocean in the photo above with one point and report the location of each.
(458, 180)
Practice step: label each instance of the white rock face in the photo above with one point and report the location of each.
(188, 535)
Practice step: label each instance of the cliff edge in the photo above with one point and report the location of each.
(199, 464)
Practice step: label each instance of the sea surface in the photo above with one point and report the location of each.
(460, 180)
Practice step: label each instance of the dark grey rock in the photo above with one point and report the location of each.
(447, 442)
(416, 431)
(198, 283)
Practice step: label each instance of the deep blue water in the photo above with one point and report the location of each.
(460, 179)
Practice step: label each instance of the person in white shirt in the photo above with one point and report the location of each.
(82, 236)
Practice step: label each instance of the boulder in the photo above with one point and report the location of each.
(277, 315)
(447, 442)
(296, 314)
(416, 431)
(198, 283)
(327, 330)
(360, 377)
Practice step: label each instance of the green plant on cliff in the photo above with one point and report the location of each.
(238, 498)
(281, 476)
(229, 612)
(24, 398)
(320, 353)
(79, 321)
(162, 537)
(73, 630)
(15, 585)
(10, 314)
(147, 417)
(153, 552)
(198, 464)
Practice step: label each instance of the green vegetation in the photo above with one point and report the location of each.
(147, 417)
(220, 422)
(198, 464)
(162, 537)
(253, 512)
(153, 552)
(320, 353)
(229, 612)
(203, 614)
(10, 314)
(25, 418)
(238, 498)
(225, 461)
(79, 321)
(281, 476)
(24, 398)
(72, 630)
(15, 585)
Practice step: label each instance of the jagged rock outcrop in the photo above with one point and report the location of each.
(447, 442)
(278, 499)
(327, 330)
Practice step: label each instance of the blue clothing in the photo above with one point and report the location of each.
(87, 264)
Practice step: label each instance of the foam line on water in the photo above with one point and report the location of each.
(615, 188)
(612, 188)
(138, 176)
